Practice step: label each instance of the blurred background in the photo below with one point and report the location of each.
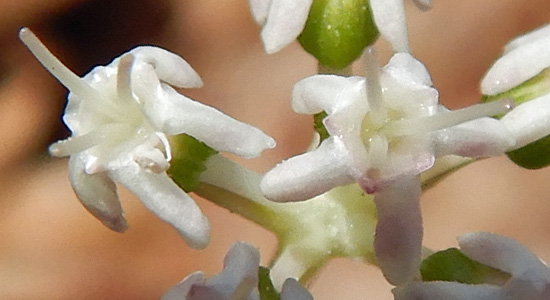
(52, 248)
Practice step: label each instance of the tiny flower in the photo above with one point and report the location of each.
(237, 281)
(384, 131)
(530, 277)
(121, 116)
(282, 21)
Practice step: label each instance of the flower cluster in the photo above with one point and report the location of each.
(383, 132)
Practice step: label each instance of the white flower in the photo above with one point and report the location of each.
(237, 281)
(120, 116)
(389, 16)
(282, 21)
(523, 58)
(530, 277)
(384, 131)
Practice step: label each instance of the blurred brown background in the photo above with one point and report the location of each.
(51, 248)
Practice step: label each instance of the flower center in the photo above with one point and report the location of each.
(383, 127)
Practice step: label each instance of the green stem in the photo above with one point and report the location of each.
(345, 71)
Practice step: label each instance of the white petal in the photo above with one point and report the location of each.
(169, 67)
(529, 37)
(398, 237)
(407, 70)
(259, 10)
(308, 175)
(166, 200)
(529, 121)
(173, 113)
(477, 138)
(318, 93)
(97, 192)
(423, 5)
(240, 272)
(500, 253)
(285, 21)
(181, 290)
(448, 291)
(292, 290)
(517, 66)
(389, 16)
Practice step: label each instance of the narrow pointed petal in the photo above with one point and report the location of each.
(529, 121)
(389, 16)
(447, 291)
(285, 22)
(173, 113)
(292, 290)
(166, 200)
(181, 290)
(308, 175)
(97, 192)
(478, 138)
(500, 253)
(259, 10)
(398, 237)
(319, 93)
(517, 66)
(169, 67)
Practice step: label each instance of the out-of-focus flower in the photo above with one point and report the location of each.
(530, 277)
(384, 131)
(237, 281)
(120, 116)
(282, 21)
(389, 16)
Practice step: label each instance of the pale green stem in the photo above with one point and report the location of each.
(346, 71)
(236, 188)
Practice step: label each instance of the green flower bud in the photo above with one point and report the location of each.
(337, 31)
(188, 158)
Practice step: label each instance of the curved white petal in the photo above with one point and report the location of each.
(389, 16)
(500, 253)
(292, 290)
(529, 121)
(259, 10)
(173, 113)
(169, 67)
(408, 71)
(97, 192)
(517, 66)
(166, 200)
(285, 21)
(305, 176)
(398, 236)
(318, 93)
(439, 290)
(529, 37)
(477, 138)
